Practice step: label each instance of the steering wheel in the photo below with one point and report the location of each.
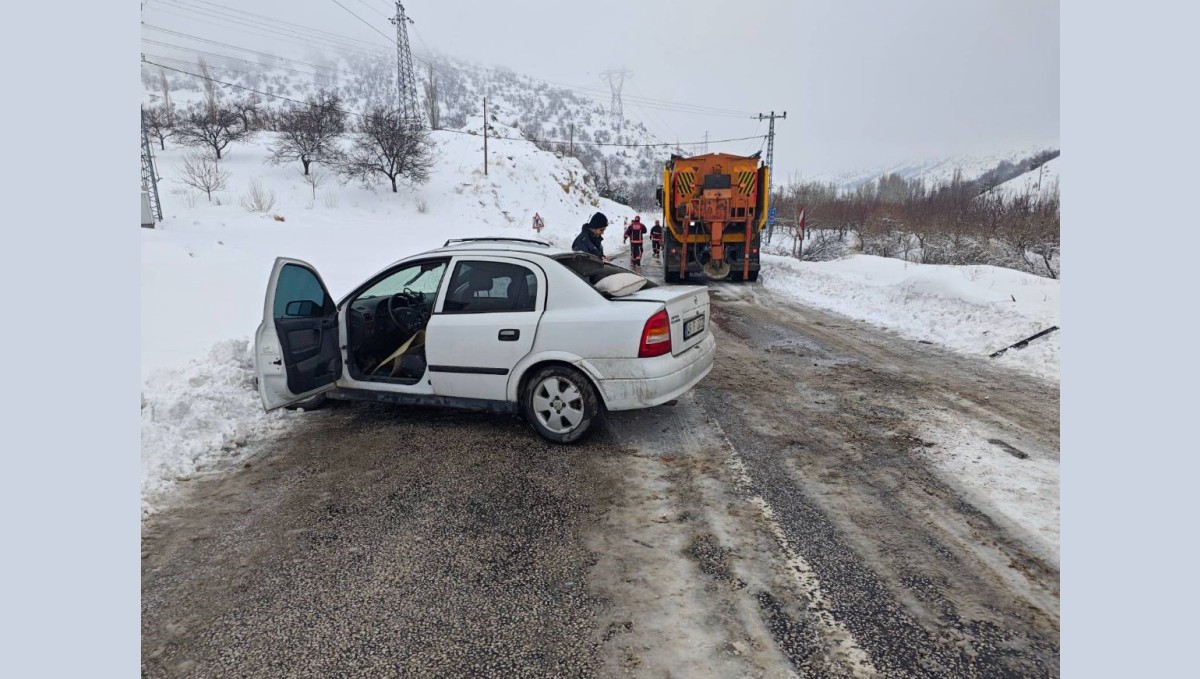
(410, 315)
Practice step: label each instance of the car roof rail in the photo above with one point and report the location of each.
(500, 239)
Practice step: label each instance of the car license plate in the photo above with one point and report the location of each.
(693, 327)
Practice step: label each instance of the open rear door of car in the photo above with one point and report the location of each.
(296, 348)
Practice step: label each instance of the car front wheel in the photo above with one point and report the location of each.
(561, 404)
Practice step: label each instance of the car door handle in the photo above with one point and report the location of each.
(509, 335)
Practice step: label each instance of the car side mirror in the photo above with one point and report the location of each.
(303, 308)
(658, 196)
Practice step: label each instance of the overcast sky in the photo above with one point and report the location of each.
(865, 83)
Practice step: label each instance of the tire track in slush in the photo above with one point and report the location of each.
(902, 608)
(846, 648)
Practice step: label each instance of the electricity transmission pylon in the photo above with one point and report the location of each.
(149, 176)
(406, 80)
(615, 78)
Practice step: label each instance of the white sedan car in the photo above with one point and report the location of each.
(496, 324)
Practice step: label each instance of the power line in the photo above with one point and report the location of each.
(666, 125)
(226, 45)
(368, 23)
(354, 113)
(260, 17)
(329, 37)
(233, 47)
(337, 41)
(650, 100)
(236, 71)
(364, 4)
(226, 57)
(272, 33)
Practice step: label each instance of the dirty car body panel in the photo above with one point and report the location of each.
(481, 319)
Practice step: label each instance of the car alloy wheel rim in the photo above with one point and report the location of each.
(558, 405)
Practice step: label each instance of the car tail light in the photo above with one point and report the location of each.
(656, 336)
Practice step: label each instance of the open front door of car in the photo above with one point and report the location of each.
(296, 348)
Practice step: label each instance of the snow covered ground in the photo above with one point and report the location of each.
(1021, 493)
(971, 309)
(1041, 181)
(204, 273)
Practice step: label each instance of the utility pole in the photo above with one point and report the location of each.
(615, 78)
(572, 141)
(771, 160)
(406, 80)
(149, 175)
(485, 126)
(706, 141)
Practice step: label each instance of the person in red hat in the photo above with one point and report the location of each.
(635, 234)
(656, 237)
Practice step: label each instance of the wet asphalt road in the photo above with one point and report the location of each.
(782, 520)
(383, 542)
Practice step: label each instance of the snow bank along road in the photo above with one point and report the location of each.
(809, 510)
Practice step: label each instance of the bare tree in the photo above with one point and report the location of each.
(431, 101)
(314, 179)
(210, 87)
(203, 173)
(388, 146)
(211, 129)
(247, 109)
(158, 124)
(165, 86)
(309, 132)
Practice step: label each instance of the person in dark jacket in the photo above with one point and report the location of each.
(656, 237)
(635, 233)
(591, 235)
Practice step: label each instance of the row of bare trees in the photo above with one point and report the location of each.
(954, 223)
(383, 144)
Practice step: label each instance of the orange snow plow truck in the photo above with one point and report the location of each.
(714, 209)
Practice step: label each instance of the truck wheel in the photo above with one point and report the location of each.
(561, 404)
(753, 276)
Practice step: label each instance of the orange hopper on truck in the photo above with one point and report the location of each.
(714, 209)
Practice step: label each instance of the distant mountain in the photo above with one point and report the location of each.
(1039, 181)
(990, 169)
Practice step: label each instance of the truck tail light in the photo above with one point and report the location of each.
(656, 336)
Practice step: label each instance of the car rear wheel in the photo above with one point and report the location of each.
(561, 404)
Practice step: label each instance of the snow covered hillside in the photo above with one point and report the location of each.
(935, 171)
(204, 272)
(518, 106)
(974, 310)
(1040, 181)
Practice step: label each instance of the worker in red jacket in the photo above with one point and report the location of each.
(635, 233)
(656, 236)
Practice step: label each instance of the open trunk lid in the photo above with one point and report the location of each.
(687, 309)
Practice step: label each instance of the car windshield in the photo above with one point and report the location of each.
(423, 278)
(593, 270)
